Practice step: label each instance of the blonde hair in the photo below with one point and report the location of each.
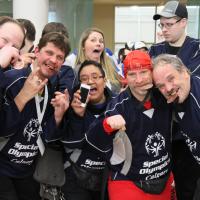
(105, 61)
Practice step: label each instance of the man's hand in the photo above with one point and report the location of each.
(60, 104)
(76, 104)
(8, 55)
(116, 122)
(32, 86)
(24, 60)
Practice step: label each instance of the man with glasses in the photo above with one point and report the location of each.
(173, 22)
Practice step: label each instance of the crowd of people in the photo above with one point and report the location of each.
(137, 137)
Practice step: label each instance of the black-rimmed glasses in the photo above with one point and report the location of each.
(93, 77)
(169, 25)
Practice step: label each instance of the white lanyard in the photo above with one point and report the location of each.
(40, 113)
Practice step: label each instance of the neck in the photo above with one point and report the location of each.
(179, 42)
(102, 100)
(140, 97)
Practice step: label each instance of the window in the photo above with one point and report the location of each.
(135, 23)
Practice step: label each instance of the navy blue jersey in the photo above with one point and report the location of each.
(77, 149)
(188, 116)
(65, 79)
(142, 152)
(189, 53)
(22, 128)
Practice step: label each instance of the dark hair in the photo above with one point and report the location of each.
(121, 52)
(7, 19)
(91, 62)
(55, 27)
(59, 40)
(29, 27)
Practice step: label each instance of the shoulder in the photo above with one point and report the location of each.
(158, 45)
(156, 49)
(195, 84)
(15, 77)
(192, 42)
(118, 101)
(195, 92)
(66, 69)
(71, 60)
(15, 74)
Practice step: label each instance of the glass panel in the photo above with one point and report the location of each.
(193, 21)
(134, 23)
(6, 8)
(77, 15)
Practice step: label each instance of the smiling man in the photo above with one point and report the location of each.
(33, 110)
(11, 40)
(177, 85)
(135, 136)
(173, 23)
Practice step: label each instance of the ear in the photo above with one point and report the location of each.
(184, 22)
(36, 51)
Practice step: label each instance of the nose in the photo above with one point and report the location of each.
(90, 81)
(164, 29)
(168, 88)
(138, 78)
(53, 59)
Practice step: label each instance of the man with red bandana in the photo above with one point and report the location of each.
(135, 136)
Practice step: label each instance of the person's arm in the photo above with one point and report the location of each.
(78, 121)
(102, 131)
(60, 103)
(24, 60)
(30, 88)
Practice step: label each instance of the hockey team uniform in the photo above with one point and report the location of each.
(22, 129)
(84, 164)
(141, 153)
(188, 116)
(182, 159)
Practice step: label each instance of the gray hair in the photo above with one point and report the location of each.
(173, 60)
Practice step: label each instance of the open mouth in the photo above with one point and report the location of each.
(173, 96)
(51, 68)
(93, 90)
(96, 51)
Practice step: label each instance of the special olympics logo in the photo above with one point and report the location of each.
(154, 144)
(31, 129)
(191, 143)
